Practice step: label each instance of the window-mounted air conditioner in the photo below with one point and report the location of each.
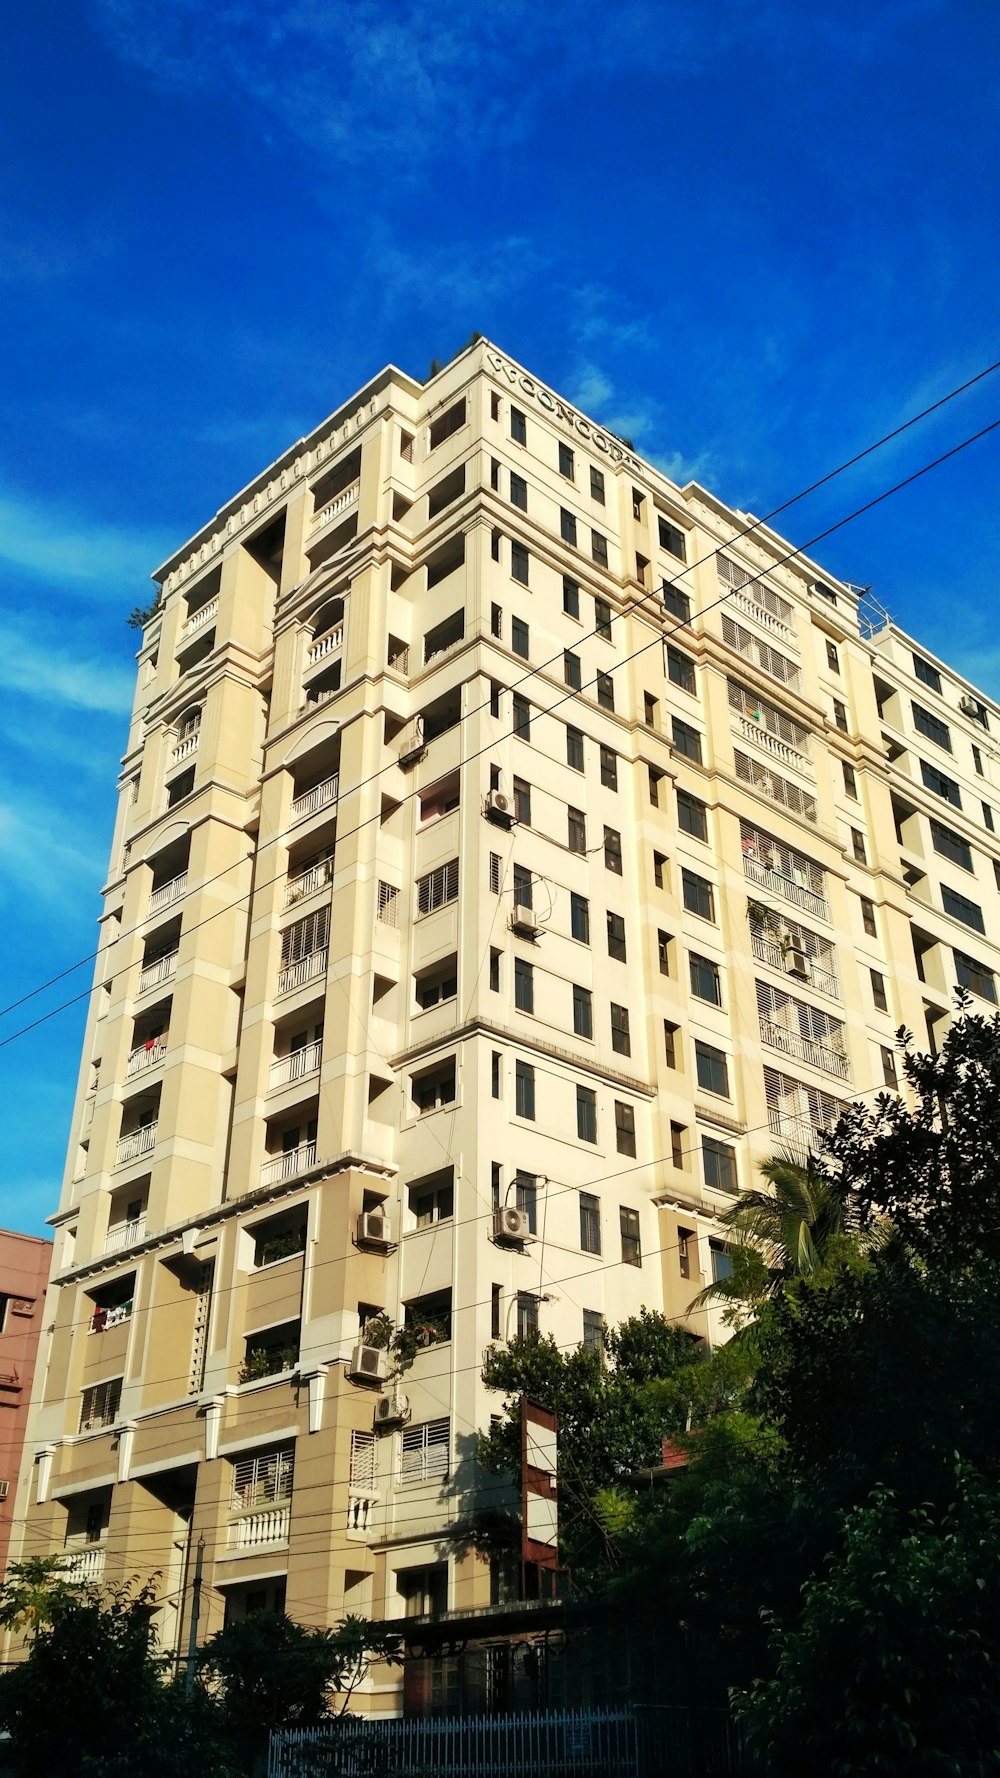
(797, 963)
(524, 920)
(499, 809)
(374, 1229)
(510, 1224)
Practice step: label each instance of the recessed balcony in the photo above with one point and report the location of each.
(145, 1056)
(805, 1049)
(167, 893)
(136, 1143)
(285, 1166)
(326, 645)
(187, 745)
(308, 881)
(161, 969)
(340, 504)
(321, 796)
(258, 1530)
(295, 975)
(85, 1563)
(295, 1066)
(125, 1234)
(200, 618)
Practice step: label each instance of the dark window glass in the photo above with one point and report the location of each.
(526, 1198)
(590, 1223)
(605, 691)
(988, 817)
(609, 768)
(671, 539)
(613, 850)
(599, 548)
(583, 1012)
(659, 869)
(676, 602)
(616, 937)
(566, 462)
(680, 669)
(621, 1040)
(571, 597)
(686, 739)
(868, 917)
(572, 670)
(940, 784)
(579, 918)
(522, 802)
(524, 1089)
(518, 491)
(524, 985)
(977, 977)
(713, 1072)
(858, 844)
(960, 908)
(624, 1128)
(698, 895)
(692, 816)
(518, 426)
(631, 1247)
(522, 717)
(663, 943)
(719, 1163)
(840, 714)
(926, 723)
(670, 1042)
(878, 990)
(586, 1114)
(927, 674)
(574, 749)
(519, 562)
(496, 620)
(832, 658)
(593, 1331)
(706, 982)
(850, 781)
(888, 1066)
(602, 619)
(519, 637)
(577, 830)
(597, 484)
(951, 845)
(567, 526)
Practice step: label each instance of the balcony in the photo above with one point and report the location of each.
(294, 1066)
(102, 1319)
(751, 608)
(805, 1049)
(340, 503)
(772, 745)
(168, 893)
(125, 1234)
(185, 748)
(256, 1530)
(762, 874)
(199, 618)
(307, 883)
(319, 797)
(146, 1055)
(769, 951)
(285, 1166)
(136, 1143)
(295, 975)
(360, 1511)
(327, 644)
(160, 970)
(84, 1564)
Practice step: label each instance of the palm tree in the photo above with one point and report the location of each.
(783, 1232)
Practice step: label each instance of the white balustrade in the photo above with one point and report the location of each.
(316, 798)
(256, 1529)
(768, 743)
(125, 1234)
(167, 893)
(326, 644)
(337, 505)
(806, 1049)
(295, 975)
(146, 1055)
(308, 882)
(160, 970)
(761, 616)
(285, 1166)
(136, 1143)
(185, 748)
(202, 616)
(296, 1064)
(757, 872)
(84, 1564)
(360, 1510)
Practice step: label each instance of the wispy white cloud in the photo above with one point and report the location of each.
(65, 547)
(41, 855)
(39, 671)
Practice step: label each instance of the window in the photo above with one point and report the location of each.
(621, 1041)
(424, 1455)
(628, 1221)
(590, 1223)
(977, 977)
(663, 943)
(181, 787)
(613, 850)
(574, 748)
(685, 1251)
(642, 569)
(495, 691)
(930, 725)
(527, 1315)
(522, 802)
(722, 1264)
(671, 539)
(996, 871)
(616, 936)
(655, 779)
(638, 500)
(951, 844)
(518, 491)
(567, 526)
(495, 873)
(878, 990)
(698, 895)
(518, 426)
(571, 597)
(496, 1303)
(650, 710)
(927, 674)
(526, 1197)
(605, 691)
(597, 484)
(988, 817)
(524, 985)
(670, 1031)
(719, 1163)
(850, 781)
(977, 711)
(706, 982)
(519, 563)
(602, 619)
(447, 423)
(100, 1403)
(888, 1067)
(495, 544)
(524, 1090)
(609, 768)
(586, 1114)
(624, 1127)
(519, 637)
(676, 602)
(583, 1012)
(440, 798)
(434, 1087)
(263, 1479)
(868, 916)
(523, 893)
(960, 908)
(712, 1069)
(940, 784)
(832, 657)
(494, 970)
(977, 760)
(599, 548)
(579, 918)
(496, 1076)
(840, 714)
(566, 462)
(388, 904)
(692, 816)
(858, 845)
(576, 830)
(495, 474)
(686, 740)
(660, 870)
(437, 887)
(680, 669)
(522, 717)
(593, 1331)
(435, 985)
(678, 1132)
(572, 670)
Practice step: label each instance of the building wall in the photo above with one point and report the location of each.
(312, 998)
(24, 1268)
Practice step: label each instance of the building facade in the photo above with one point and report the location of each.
(24, 1271)
(512, 848)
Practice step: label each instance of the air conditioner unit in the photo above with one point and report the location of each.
(391, 1409)
(412, 747)
(970, 707)
(524, 920)
(369, 1364)
(499, 809)
(797, 963)
(510, 1224)
(374, 1229)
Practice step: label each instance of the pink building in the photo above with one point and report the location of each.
(24, 1271)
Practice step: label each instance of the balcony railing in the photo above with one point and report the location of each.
(806, 1049)
(285, 1166)
(102, 1319)
(340, 503)
(773, 745)
(125, 1234)
(766, 878)
(185, 748)
(202, 616)
(84, 1564)
(327, 644)
(769, 951)
(296, 1064)
(167, 893)
(308, 882)
(316, 798)
(146, 1056)
(160, 970)
(257, 1529)
(295, 975)
(360, 1508)
(748, 604)
(136, 1143)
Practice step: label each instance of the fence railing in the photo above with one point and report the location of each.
(326, 644)
(284, 1166)
(257, 1529)
(317, 798)
(125, 1235)
(160, 970)
(294, 975)
(337, 505)
(145, 1055)
(762, 874)
(84, 1564)
(167, 893)
(806, 1049)
(297, 1063)
(308, 881)
(203, 616)
(768, 950)
(136, 1143)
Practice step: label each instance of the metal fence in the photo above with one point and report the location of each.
(671, 1742)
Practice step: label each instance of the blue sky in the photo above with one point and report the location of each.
(751, 236)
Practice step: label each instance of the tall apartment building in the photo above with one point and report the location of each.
(512, 846)
(24, 1271)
